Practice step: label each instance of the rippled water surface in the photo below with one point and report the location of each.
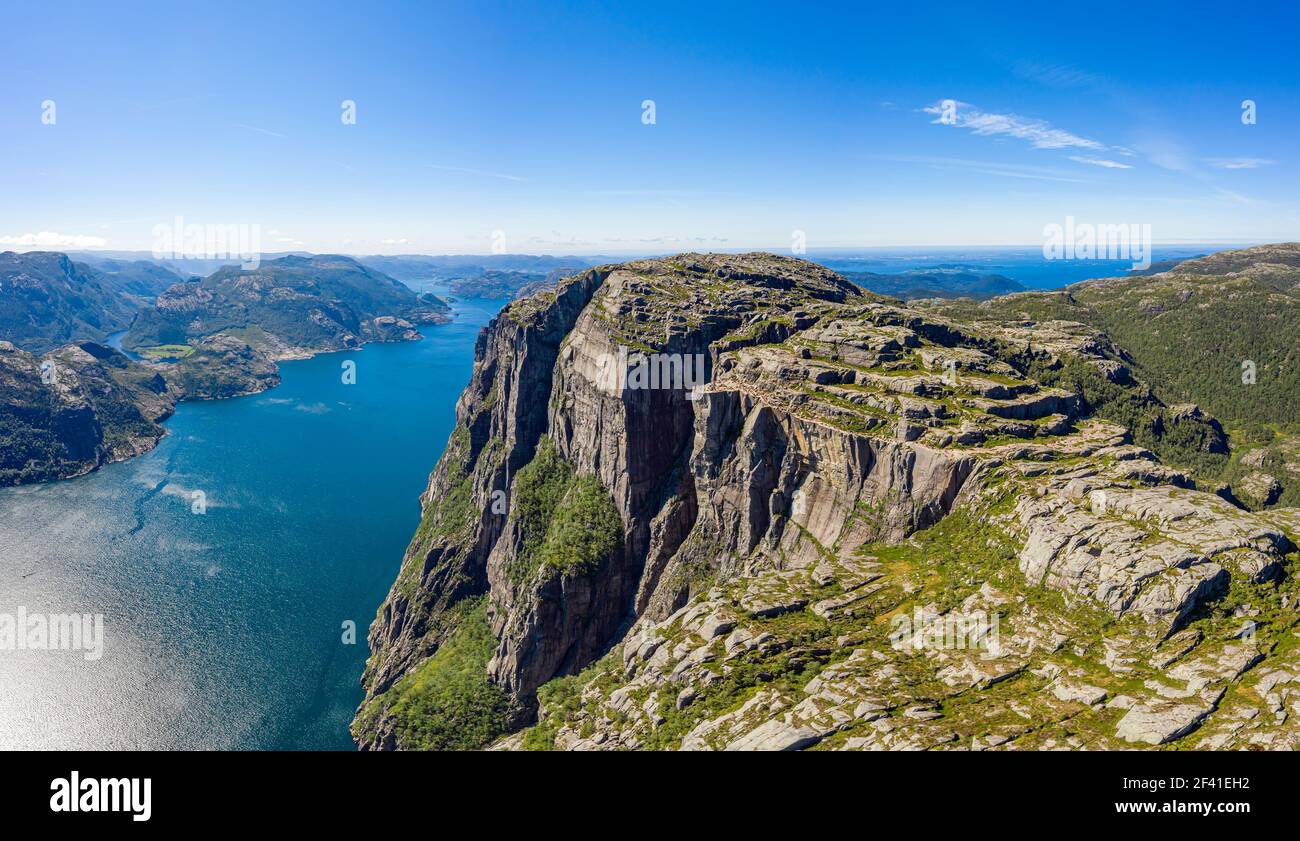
(224, 630)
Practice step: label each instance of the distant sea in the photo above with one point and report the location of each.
(1025, 265)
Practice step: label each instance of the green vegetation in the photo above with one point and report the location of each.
(319, 302)
(1181, 442)
(166, 352)
(447, 702)
(1192, 331)
(567, 523)
(48, 301)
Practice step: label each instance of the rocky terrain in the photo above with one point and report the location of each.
(1221, 331)
(75, 409)
(866, 526)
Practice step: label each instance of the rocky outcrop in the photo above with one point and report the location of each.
(709, 487)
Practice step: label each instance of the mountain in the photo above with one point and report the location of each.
(144, 280)
(1162, 266)
(498, 284)
(1220, 331)
(75, 409)
(935, 283)
(734, 501)
(417, 268)
(203, 339)
(290, 307)
(47, 300)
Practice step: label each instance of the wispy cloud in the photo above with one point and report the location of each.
(1235, 197)
(469, 171)
(1102, 162)
(51, 239)
(1238, 163)
(1054, 75)
(394, 241)
(260, 130)
(1002, 170)
(1038, 133)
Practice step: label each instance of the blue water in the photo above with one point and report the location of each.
(225, 629)
(1024, 265)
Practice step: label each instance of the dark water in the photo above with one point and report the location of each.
(225, 629)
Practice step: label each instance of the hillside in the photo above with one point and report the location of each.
(75, 409)
(47, 300)
(498, 284)
(292, 306)
(935, 283)
(143, 280)
(1219, 331)
(866, 526)
(204, 339)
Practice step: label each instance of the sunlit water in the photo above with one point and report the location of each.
(225, 629)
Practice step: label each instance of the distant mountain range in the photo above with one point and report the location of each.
(493, 283)
(69, 403)
(415, 268)
(47, 300)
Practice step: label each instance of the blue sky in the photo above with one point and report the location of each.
(482, 117)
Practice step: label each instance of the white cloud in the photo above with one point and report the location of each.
(50, 239)
(1239, 163)
(1100, 162)
(1038, 133)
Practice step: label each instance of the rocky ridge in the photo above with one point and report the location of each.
(846, 461)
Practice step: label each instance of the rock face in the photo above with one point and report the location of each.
(733, 501)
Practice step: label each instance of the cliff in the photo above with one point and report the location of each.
(688, 501)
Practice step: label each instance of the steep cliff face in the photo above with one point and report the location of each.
(673, 481)
(501, 416)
